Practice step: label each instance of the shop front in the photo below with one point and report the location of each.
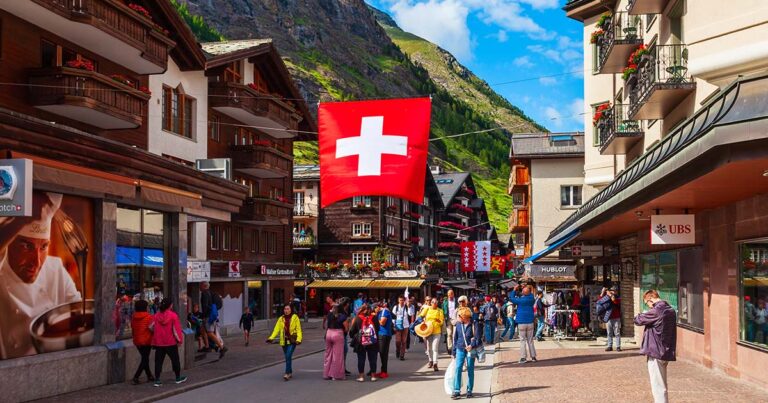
(690, 219)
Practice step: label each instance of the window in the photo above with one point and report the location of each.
(754, 292)
(361, 258)
(361, 229)
(406, 238)
(518, 199)
(226, 238)
(391, 201)
(49, 54)
(263, 242)
(178, 112)
(214, 236)
(237, 243)
(272, 242)
(406, 206)
(233, 72)
(659, 272)
(254, 241)
(390, 229)
(215, 128)
(691, 288)
(361, 201)
(298, 203)
(570, 196)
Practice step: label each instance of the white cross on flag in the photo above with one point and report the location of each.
(476, 256)
(373, 148)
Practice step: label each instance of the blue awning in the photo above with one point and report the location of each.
(127, 256)
(546, 251)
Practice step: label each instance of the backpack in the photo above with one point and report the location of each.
(489, 313)
(604, 308)
(368, 335)
(218, 301)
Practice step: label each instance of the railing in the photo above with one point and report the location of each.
(119, 20)
(519, 176)
(301, 211)
(615, 122)
(664, 64)
(620, 27)
(267, 157)
(51, 86)
(306, 241)
(253, 101)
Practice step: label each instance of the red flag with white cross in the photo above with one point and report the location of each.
(373, 148)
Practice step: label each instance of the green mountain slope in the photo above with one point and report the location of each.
(344, 50)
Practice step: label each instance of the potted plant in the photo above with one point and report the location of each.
(603, 21)
(600, 113)
(629, 71)
(81, 64)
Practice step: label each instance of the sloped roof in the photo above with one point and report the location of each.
(547, 145)
(306, 172)
(212, 49)
(449, 184)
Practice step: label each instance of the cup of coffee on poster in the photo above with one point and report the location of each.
(47, 277)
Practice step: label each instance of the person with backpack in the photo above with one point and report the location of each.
(363, 332)
(433, 316)
(142, 338)
(538, 314)
(609, 311)
(490, 314)
(386, 330)
(524, 321)
(465, 340)
(508, 314)
(212, 325)
(246, 323)
(288, 329)
(402, 313)
(166, 338)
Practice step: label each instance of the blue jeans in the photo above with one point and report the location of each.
(490, 331)
(288, 352)
(540, 326)
(509, 326)
(461, 356)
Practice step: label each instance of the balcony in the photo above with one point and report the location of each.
(661, 82)
(518, 220)
(460, 211)
(617, 132)
(263, 211)
(88, 97)
(304, 242)
(637, 7)
(247, 105)
(304, 212)
(622, 33)
(261, 161)
(107, 28)
(583, 9)
(519, 178)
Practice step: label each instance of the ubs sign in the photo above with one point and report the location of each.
(673, 229)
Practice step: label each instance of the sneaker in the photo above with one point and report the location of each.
(361, 379)
(374, 379)
(347, 373)
(533, 359)
(522, 361)
(135, 381)
(222, 351)
(618, 348)
(285, 377)
(181, 379)
(455, 396)
(383, 375)
(469, 395)
(157, 384)
(609, 349)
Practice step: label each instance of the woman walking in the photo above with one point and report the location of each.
(142, 338)
(363, 333)
(466, 338)
(166, 337)
(434, 317)
(333, 361)
(288, 328)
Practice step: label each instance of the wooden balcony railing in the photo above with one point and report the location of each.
(120, 21)
(262, 210)
(87, 96)
(519, 220)
(260, 109)
(264, 161)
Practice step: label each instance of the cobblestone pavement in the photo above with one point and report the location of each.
(584, 372)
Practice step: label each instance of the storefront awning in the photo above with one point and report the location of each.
(340, 284)
(130, 256)
(551, 248)
(395, 284)
(254, 284)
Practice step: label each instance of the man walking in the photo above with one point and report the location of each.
(524, 321)
(609, 306)
(490, 316)
(538, 313)
(402, 313)
(449, 311)
(508, 315)
(659, 341)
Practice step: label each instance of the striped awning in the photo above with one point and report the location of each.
(340, 284)
(395, 284)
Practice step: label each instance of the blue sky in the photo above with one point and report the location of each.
(508, 40)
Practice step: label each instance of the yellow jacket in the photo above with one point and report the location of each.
(434, 315)
(280, 329)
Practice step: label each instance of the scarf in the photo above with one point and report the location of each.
(287, 328)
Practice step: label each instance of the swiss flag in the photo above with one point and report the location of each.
(373, 148)
(468, 257)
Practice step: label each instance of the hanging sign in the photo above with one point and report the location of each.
(673, 229)
(234, 269)
(198, 272)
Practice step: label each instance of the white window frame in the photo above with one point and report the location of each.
(365, 200)
(391, 229)
(571, 193)
(361, 229)
(361, 258)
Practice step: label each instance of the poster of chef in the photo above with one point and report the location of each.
(46, 268)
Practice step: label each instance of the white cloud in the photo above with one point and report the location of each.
(502, 36)
(577, 111)
(523, 61)
(548, 81)
(509, 14)
(541, 4)
(443, 22)
(553, 115)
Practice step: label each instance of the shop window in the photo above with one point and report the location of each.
(361, 258)
(214, 237)
(570, 196)
(659, 272)
(140, 259)
(178, 112)
(754, 292)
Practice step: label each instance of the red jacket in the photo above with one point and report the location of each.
(166, 329)
(142, 336)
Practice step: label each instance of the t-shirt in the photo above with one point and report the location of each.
(337, 322)
(616, 309)
(452, 309)
(386, 328)
(402, 316)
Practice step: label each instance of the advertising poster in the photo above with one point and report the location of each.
(46, 268)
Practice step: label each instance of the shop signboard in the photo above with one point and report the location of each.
(268, 271)
(46, 287)
(587, 250)
(15, 188)
(555, 272)
(198, 272)
(400, 273)
(673, 229)
(234, 269)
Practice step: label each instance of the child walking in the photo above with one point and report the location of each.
(246, 323)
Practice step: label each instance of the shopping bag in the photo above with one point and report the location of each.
(450, 374)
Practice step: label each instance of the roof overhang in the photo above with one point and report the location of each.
(716, 157)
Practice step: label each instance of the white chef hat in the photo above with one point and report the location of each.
(41, 229)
